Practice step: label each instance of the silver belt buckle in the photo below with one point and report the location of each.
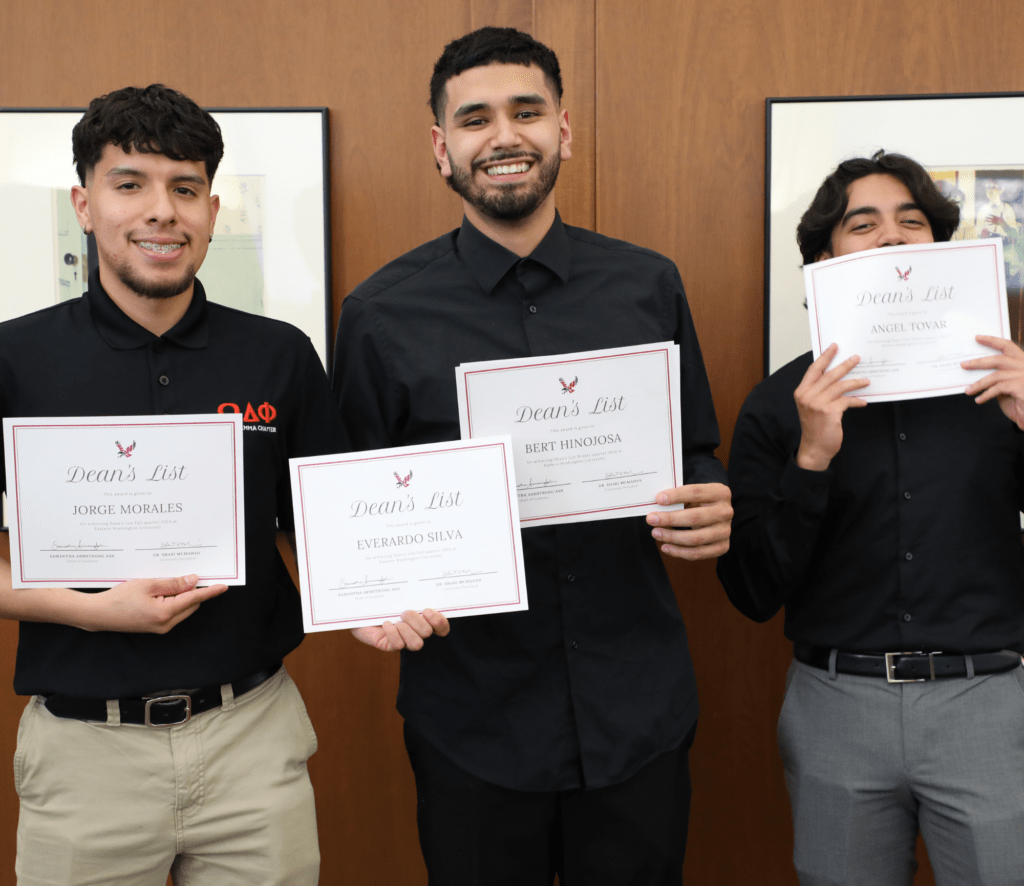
(169, 698)
(890, 668)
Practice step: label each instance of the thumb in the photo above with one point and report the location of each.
(170, 587)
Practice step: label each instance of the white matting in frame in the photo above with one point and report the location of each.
(808, 137)
(269, 254)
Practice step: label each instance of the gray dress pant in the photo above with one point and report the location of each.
(868, 763)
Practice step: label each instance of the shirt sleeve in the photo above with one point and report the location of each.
(778, 510)
(700, 427)
(366, 395)
(315, 429)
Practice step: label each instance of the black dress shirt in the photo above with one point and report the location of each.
(595, 678)
(909, 541)
(87, 357)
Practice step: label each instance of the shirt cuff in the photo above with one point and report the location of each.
(807, 489)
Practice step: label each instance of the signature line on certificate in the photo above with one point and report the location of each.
(457, 575)
(369, 584)
(618, 476)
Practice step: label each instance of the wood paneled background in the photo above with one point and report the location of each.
(666, 99)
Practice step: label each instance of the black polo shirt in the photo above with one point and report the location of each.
(86, 357)
(595, 679)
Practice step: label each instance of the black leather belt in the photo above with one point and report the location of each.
(909, 667)
(160, 709)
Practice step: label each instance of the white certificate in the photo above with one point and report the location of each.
(911, 313)
(97, 501)
(596, 434)
(415, 527)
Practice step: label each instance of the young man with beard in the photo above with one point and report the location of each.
(553, 740)
(884, 528)
(121, 777)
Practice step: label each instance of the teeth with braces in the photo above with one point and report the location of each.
(159, 247)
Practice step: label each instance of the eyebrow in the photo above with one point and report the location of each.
(873, 210)
(138, 173)
(526, 98)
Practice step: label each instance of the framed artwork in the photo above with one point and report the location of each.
(270, 253)
(970, 144)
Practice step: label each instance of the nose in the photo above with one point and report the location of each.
(161, 209)
(506, 133)
(891, 233)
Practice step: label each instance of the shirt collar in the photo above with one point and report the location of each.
(122, 333)
(489, 261)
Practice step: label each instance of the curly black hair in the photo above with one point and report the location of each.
(151, 120)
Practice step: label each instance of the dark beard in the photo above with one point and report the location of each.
(511, 202)
(146, 289)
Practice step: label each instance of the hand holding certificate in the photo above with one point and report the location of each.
(911, 313)
(391, 530)
(95, 502)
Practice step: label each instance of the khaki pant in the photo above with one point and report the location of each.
(224, 799)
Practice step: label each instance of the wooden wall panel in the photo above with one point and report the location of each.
(680, 148)
(666, 104)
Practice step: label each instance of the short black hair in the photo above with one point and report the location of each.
(151, 120)
(814, 233)
(489, 46)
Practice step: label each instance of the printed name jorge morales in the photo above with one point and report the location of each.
(170, 507)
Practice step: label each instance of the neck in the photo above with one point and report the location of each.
(158, 315)
(521, 236)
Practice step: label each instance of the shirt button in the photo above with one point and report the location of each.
(906, 616)
(570, 578)
(574, 644)
(903, 436)
(910, 556)
(159, 348)
(164, 380)
(533, 309)
(906, 495)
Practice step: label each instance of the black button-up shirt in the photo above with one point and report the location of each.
(909, 541)
(87, 357)
(595, 679)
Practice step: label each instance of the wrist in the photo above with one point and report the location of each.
(809, 459)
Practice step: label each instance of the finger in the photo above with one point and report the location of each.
(693, 517)
(695, 493)
(414, 620)
(169, 587)
(997, 343)
(437, 621)
(411, 639)
(705, 552)
(818, 367)
(393, 639)
(694, 538)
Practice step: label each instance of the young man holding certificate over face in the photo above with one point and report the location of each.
(552, 740)
(890, 531)
(163, 733)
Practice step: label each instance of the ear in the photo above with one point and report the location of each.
(441, 150)
(564, 136)
(80, 201)
(214, 209)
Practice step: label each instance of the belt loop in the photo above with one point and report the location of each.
(832, 656)
(113, 712)
(931, 664)
(227, 696)
(970, 667)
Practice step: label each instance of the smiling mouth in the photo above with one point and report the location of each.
(159, 248)
(508, 169)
